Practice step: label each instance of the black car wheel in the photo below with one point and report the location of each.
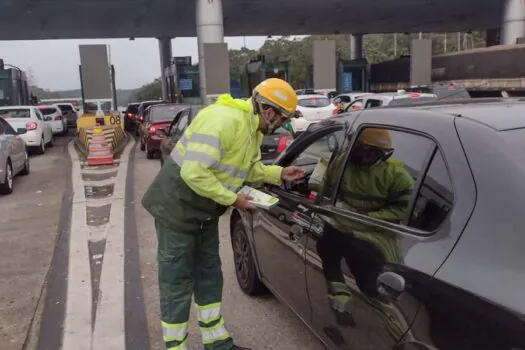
(245, 269)
(7, 186)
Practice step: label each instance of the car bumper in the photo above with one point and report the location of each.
(153, 143)
(57, 128)
(32, 138)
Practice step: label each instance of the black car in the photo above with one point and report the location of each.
(448, 275)
(130, 121)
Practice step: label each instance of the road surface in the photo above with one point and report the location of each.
(94, 285)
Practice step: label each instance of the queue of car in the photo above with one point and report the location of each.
(24, 129)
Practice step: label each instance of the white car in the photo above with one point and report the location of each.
(311, 109)
(38, 134)
(399, 98)
(53, 116)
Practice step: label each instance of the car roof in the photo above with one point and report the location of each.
(16, 107)
(309, 96)
(498, 115)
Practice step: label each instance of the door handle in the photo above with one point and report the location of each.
(295, 233)
(390, 285)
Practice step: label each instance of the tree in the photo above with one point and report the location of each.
(151, 91)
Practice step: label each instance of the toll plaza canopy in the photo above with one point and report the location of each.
(63, 19)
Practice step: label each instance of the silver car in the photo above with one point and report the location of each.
(13, 156)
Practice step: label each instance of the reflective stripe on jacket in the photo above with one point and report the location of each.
(221, 149)
(218, 152)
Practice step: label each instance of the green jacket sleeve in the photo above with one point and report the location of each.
(398, 197)
(204, 151)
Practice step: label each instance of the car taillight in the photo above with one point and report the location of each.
(284, 141)
(141, 118)
(31, 126)
(58, 117)
(152, 129)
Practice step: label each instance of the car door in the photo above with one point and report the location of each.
(385, 264)
(278, 233)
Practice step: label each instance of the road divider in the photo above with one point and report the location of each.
(100, 144)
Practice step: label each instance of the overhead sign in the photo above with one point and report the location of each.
(186, 84)
(182, 60)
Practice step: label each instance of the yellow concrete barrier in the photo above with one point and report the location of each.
(114, 135)
(90, 120)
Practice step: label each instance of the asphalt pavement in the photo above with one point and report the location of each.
(29, 226)
(259, 323)
(78, 265)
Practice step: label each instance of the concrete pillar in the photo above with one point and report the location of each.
(356, 46)
(513, 21)
(165, 61)
(421, 62)
(324, 64)
(210, 30)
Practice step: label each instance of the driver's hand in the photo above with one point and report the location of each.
(292, 173)
(243, 202)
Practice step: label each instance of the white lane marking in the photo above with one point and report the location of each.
(109, 330)
(77, 327)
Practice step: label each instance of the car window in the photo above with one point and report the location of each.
(435, 198)
(183, 122)
(38, 114)
(6, 128)
(16, 113)
(47, 110)
(373, 103)
(314, 102)
(65, 108)
(381, 172)
(356, 105)
(164, 113)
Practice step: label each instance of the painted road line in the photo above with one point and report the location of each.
(109, 332)
(77, 325)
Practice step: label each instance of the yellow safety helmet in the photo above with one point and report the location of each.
(376, 137)
(278, 94)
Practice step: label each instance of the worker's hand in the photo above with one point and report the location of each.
(292, 173)
(242, 202)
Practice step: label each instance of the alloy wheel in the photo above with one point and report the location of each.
(9, 176)
(241, 257)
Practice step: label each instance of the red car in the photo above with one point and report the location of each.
(157, 117)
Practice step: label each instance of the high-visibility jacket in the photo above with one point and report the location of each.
(218, 152)
(381, 191)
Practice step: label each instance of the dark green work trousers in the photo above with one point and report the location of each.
(189, 264)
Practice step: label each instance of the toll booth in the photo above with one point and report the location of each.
(257, 70)
(351, 75)
(182, 80)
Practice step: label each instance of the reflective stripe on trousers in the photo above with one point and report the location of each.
(175, 335)
(211, 323)
(339, 295)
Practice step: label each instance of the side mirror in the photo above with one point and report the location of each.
(21, 131)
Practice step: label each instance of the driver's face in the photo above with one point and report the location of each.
(366, 155)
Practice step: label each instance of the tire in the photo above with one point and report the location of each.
(282, 217)
(245, 269)
(27, 166)
(42, 147)
(7, 186)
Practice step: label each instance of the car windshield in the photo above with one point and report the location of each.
(15, 113)
(65, 108)
(47, 110)
(165, 113)
(133, 108)
(314, 102)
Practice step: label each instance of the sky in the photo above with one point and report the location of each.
(54, 63)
